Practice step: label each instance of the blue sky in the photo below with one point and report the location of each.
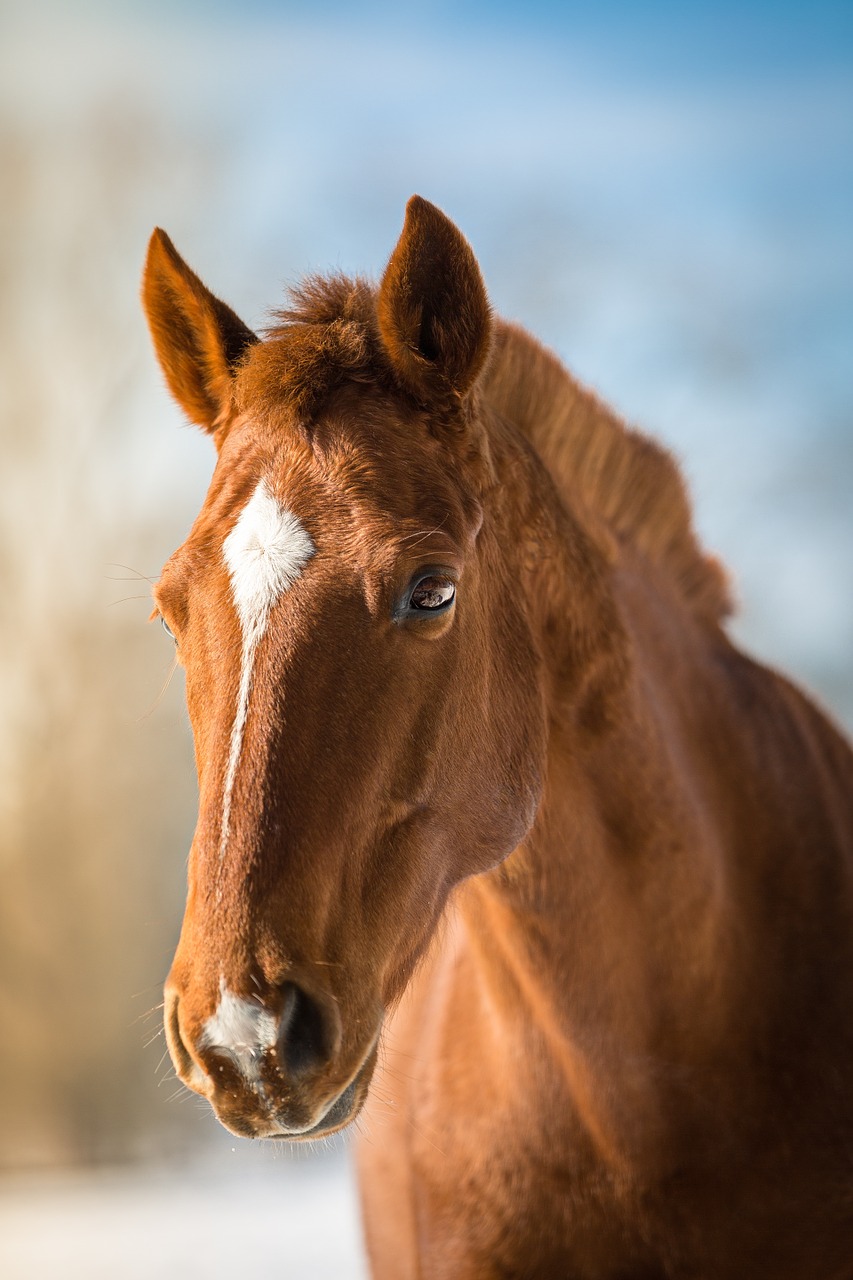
(662, 192)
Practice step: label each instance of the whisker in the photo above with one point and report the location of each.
(153, 986)
(126, 599)
(423, 533)
(425, 556)
(140, 1017)
(135, 574)
(160, 696)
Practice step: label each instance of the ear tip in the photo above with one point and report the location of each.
(160, 248)
(421, 212)
(426, 222)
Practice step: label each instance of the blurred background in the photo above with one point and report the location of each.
(662, 192)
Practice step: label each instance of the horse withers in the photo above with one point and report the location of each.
(502, 845)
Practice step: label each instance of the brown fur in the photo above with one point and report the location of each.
(619, 475)
(585, 867)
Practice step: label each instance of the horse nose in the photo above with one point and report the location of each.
(302, 1035)
(309, 1033)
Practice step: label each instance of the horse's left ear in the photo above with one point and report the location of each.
(432, 307)
(198, 339)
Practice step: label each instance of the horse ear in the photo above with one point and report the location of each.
(432, 307)
(198, 339)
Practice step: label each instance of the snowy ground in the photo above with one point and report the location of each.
(278, 1218)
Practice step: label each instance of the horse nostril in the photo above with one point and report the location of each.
(181, 1057)
(303, 1038)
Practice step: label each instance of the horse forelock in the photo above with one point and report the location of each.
(324, 336)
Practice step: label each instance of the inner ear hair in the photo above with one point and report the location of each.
(198, 339)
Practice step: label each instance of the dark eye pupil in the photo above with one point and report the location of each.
(433, 593)
(164, 624)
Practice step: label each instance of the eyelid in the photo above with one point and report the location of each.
(157, 614)
(432, 571)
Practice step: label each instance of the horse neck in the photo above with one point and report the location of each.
(682, 899)
(612, 924)
(625, 830)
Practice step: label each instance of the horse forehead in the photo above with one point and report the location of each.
(360, 467)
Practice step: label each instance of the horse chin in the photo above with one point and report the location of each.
(342, 1112)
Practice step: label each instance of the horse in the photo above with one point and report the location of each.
(502, 845)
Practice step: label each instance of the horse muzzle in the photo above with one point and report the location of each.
(274, 1068)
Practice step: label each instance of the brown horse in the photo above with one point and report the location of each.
(487, 795)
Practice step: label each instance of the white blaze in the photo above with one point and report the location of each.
(241, 1029)
(265, 553)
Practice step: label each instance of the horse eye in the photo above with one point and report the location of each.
(433, 593)
(169, 632)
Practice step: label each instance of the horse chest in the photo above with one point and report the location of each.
(449, 1200)
(478, 1167)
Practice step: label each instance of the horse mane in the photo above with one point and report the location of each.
(328, 335)
(619, 474)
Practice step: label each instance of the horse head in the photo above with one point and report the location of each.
(362, 671)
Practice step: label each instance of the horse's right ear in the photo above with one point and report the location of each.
(432, 307)
(198, 339)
